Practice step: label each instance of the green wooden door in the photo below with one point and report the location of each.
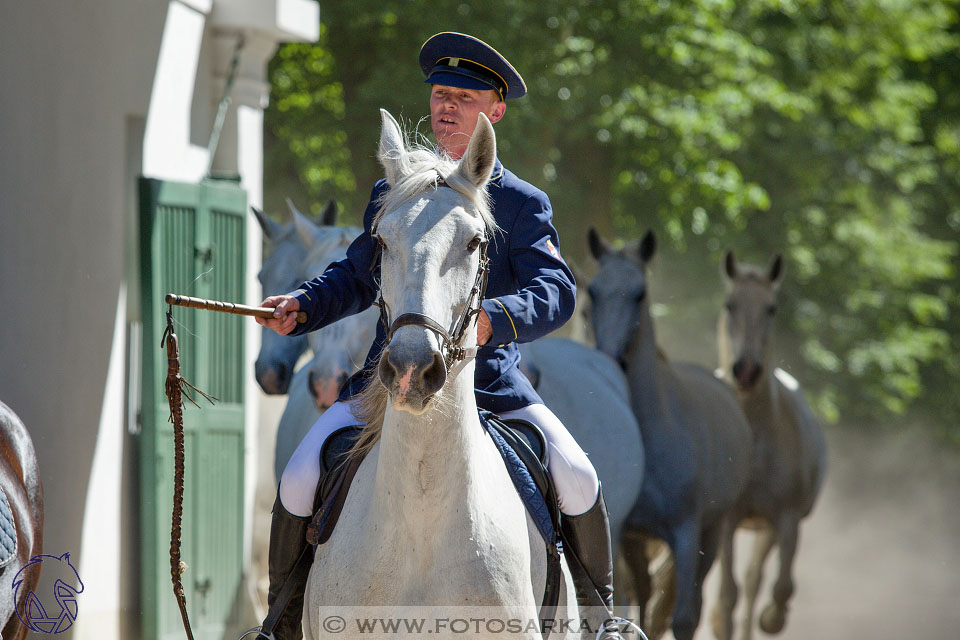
(192, 243)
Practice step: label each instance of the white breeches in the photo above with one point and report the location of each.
(573, 475)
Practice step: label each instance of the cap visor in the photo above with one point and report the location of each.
(450, 79)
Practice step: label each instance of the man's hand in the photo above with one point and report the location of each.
(484, 330)
(284, 316)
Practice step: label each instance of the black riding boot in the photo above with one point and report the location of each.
(288, 540)
(588, 536)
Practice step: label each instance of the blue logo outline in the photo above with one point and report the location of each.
(63, 593)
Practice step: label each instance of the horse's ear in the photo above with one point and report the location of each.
(306, 228)
(481, 154)
(729, 265)
(648, 246)
(271, 228)
(775, 272)
(328, 217)
(292, 208)
(598, 246)
(391, 146)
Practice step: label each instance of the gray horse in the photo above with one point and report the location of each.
(338, 349)
(790, 452)
(279, 354)
(588, 392)
(696, 439)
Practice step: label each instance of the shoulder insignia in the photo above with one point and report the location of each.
(553, 250)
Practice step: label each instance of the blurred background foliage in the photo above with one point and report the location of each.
(828, 131)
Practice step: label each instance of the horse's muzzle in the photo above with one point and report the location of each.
(412, 377)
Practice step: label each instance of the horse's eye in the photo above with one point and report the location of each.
(473, 245)
(772, 310)
(729, 307)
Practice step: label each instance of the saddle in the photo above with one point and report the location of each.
(521, 444)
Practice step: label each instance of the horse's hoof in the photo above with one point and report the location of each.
(773, 619)
(719, 624)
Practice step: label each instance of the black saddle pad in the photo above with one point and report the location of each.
(337, 446)
(531, 436)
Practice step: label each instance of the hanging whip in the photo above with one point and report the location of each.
(176, 388)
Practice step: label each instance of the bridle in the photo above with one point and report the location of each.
(451, 342)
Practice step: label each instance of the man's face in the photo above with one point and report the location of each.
(454, 113)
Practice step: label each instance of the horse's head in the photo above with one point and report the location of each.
(433, 230)
(618, 293)
(338, 349)
(281, 272)
(746, 321)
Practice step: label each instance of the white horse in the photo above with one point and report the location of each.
(432, 517)
(278, 354)
(337, 349)
(789, 456)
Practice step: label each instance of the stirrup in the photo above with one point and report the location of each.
(618, 625)
(260, 634)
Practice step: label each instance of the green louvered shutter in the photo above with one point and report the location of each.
(192, 243)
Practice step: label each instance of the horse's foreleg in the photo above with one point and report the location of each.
(774, 615)
(686, 548)
(664, 594)
(727, 597)
(764, 539)
(635, 557)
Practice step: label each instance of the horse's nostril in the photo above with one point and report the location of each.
(387, 370)
(313, 389)
(283, 374)
(738, 368)
(341, 379)
(434, 375)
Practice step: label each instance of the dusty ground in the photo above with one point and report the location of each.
(879, 557)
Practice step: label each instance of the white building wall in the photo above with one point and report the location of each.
(79, 93)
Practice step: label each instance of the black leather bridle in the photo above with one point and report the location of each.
(451, 342)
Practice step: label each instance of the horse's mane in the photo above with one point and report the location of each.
(421, 169)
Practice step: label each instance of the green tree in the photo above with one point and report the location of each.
(825, 130)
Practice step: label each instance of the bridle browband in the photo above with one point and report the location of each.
(451, 342)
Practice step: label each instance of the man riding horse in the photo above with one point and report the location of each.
(530, 293)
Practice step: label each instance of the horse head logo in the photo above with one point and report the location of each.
(66, 586)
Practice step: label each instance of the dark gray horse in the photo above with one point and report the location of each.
(695, 437)
(790, 453)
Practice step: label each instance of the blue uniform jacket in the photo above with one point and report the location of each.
(531, 291)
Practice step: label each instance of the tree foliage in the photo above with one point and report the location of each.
(825, 130)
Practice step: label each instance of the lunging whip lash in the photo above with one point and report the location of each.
(176, 388)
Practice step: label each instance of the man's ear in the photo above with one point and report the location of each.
(498, 111)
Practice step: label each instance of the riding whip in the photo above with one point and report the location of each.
(226, 307)
(176, 388)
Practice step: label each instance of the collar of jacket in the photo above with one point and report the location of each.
(497, 172)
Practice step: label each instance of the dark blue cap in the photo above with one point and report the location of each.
(458, 60)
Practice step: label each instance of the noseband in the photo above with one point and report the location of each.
(451, 342)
